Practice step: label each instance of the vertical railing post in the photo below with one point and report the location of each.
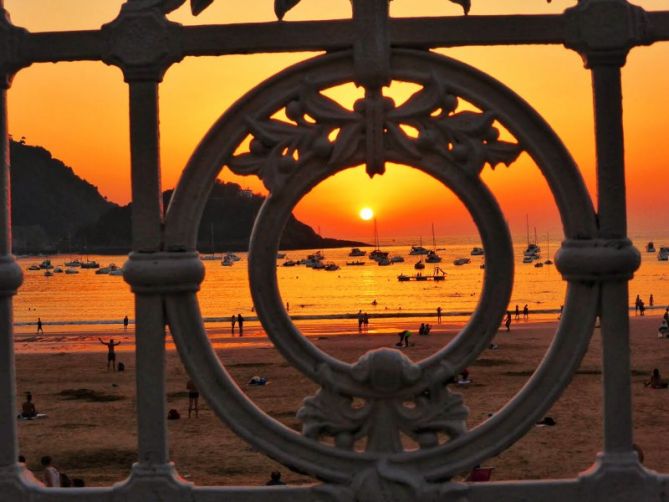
(146, 238)
(603, 31)
(144, 61)
(10, 275)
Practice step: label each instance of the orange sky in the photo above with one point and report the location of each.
(79, 112)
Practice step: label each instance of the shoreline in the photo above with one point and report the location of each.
(85, 340)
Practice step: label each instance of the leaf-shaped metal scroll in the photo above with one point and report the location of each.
(283, 6)
(197, 6)
(465, 4)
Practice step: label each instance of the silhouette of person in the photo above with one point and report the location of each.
(642, 308)
(28, 408)
(193, 397)
(438, 315)
(507, 321)
(111, 354)
(365, 321)
(125, 322)
(240, 322)
(233, 320)
(637, 303)
(651, 300)
(361, 320)
(39, 325)
(275, 479)
(517, 312)
(526, 312)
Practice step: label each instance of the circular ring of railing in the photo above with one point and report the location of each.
(516, 417)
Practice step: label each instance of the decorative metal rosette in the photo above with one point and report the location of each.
(316, 139)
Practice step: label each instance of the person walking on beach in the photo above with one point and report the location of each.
(651, 300)
(240, 323)
(636, 305)
(666, 314)
(111, 354)
(642, 308)
(193, 397)
(507, 321)
(517, 312)
(439, 315)
(39, 325)
(526, 312)
(233, 320)
(125, 322)
(365, 322)
(361, 320)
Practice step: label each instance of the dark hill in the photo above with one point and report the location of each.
(49, 202)
(53, 210)
(227, 221)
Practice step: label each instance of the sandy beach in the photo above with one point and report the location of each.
(91, 433)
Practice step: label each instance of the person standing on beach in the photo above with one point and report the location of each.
(439, 315)
(125, 322)
(233, 320)
(642, 308)
(636, 304)
(39, 325)
(651, 300)
(361, 319)
(365, 322)
(507, 322)
(240, 322)
(111, 354)
(517, 312)
(193, 397)
(526, 312)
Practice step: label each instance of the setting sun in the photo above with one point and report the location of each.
(366, 213)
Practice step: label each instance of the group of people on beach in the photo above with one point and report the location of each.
(363, 321)
(51, 476)
(640, 306)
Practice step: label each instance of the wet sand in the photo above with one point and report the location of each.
(92, 434)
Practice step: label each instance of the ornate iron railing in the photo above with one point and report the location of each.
(293, 155)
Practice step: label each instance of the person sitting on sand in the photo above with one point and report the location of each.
(28, 408)
(428, 328)
(193, 397)
(51, 474)
(111, 354)
(421, 329)
(275, 479)
(656, 381)
(663, 330)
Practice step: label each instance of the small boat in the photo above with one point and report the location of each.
(377, 255)
(58, 270)
(227, 261)
(419, 265)
(650, 247)
(403, 278)
(71, 271)
(418, 250)
(357, 252)
(108, 270)
(34, 267)
(538, 264)
(477, 251)
(73, 263)
(432, 257)
(663, 254)
(384, 262)
(397, 259)
(209, 257)
(114, 270)
(289, 263)
(90, 264)
(48, 273)
(461, 261)
(355, 263)
(528, 259)
(46, 265)
(232, 257)
(331, 267)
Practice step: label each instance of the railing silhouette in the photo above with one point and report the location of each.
(371, 50)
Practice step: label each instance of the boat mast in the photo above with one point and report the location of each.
(434, 242)
(376, 235)
(527, 229)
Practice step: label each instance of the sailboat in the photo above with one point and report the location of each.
(432, 256)
(548, 250)
(381, 257)
(532, 251)
(211, 256)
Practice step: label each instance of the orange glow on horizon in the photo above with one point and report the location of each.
(79, 111)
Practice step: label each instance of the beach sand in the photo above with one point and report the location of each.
(92, 435)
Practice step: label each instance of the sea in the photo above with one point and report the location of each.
(89, 301)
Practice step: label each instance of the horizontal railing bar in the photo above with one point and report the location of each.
(272, 37)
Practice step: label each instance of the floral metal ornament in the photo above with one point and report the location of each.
(466, 139)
